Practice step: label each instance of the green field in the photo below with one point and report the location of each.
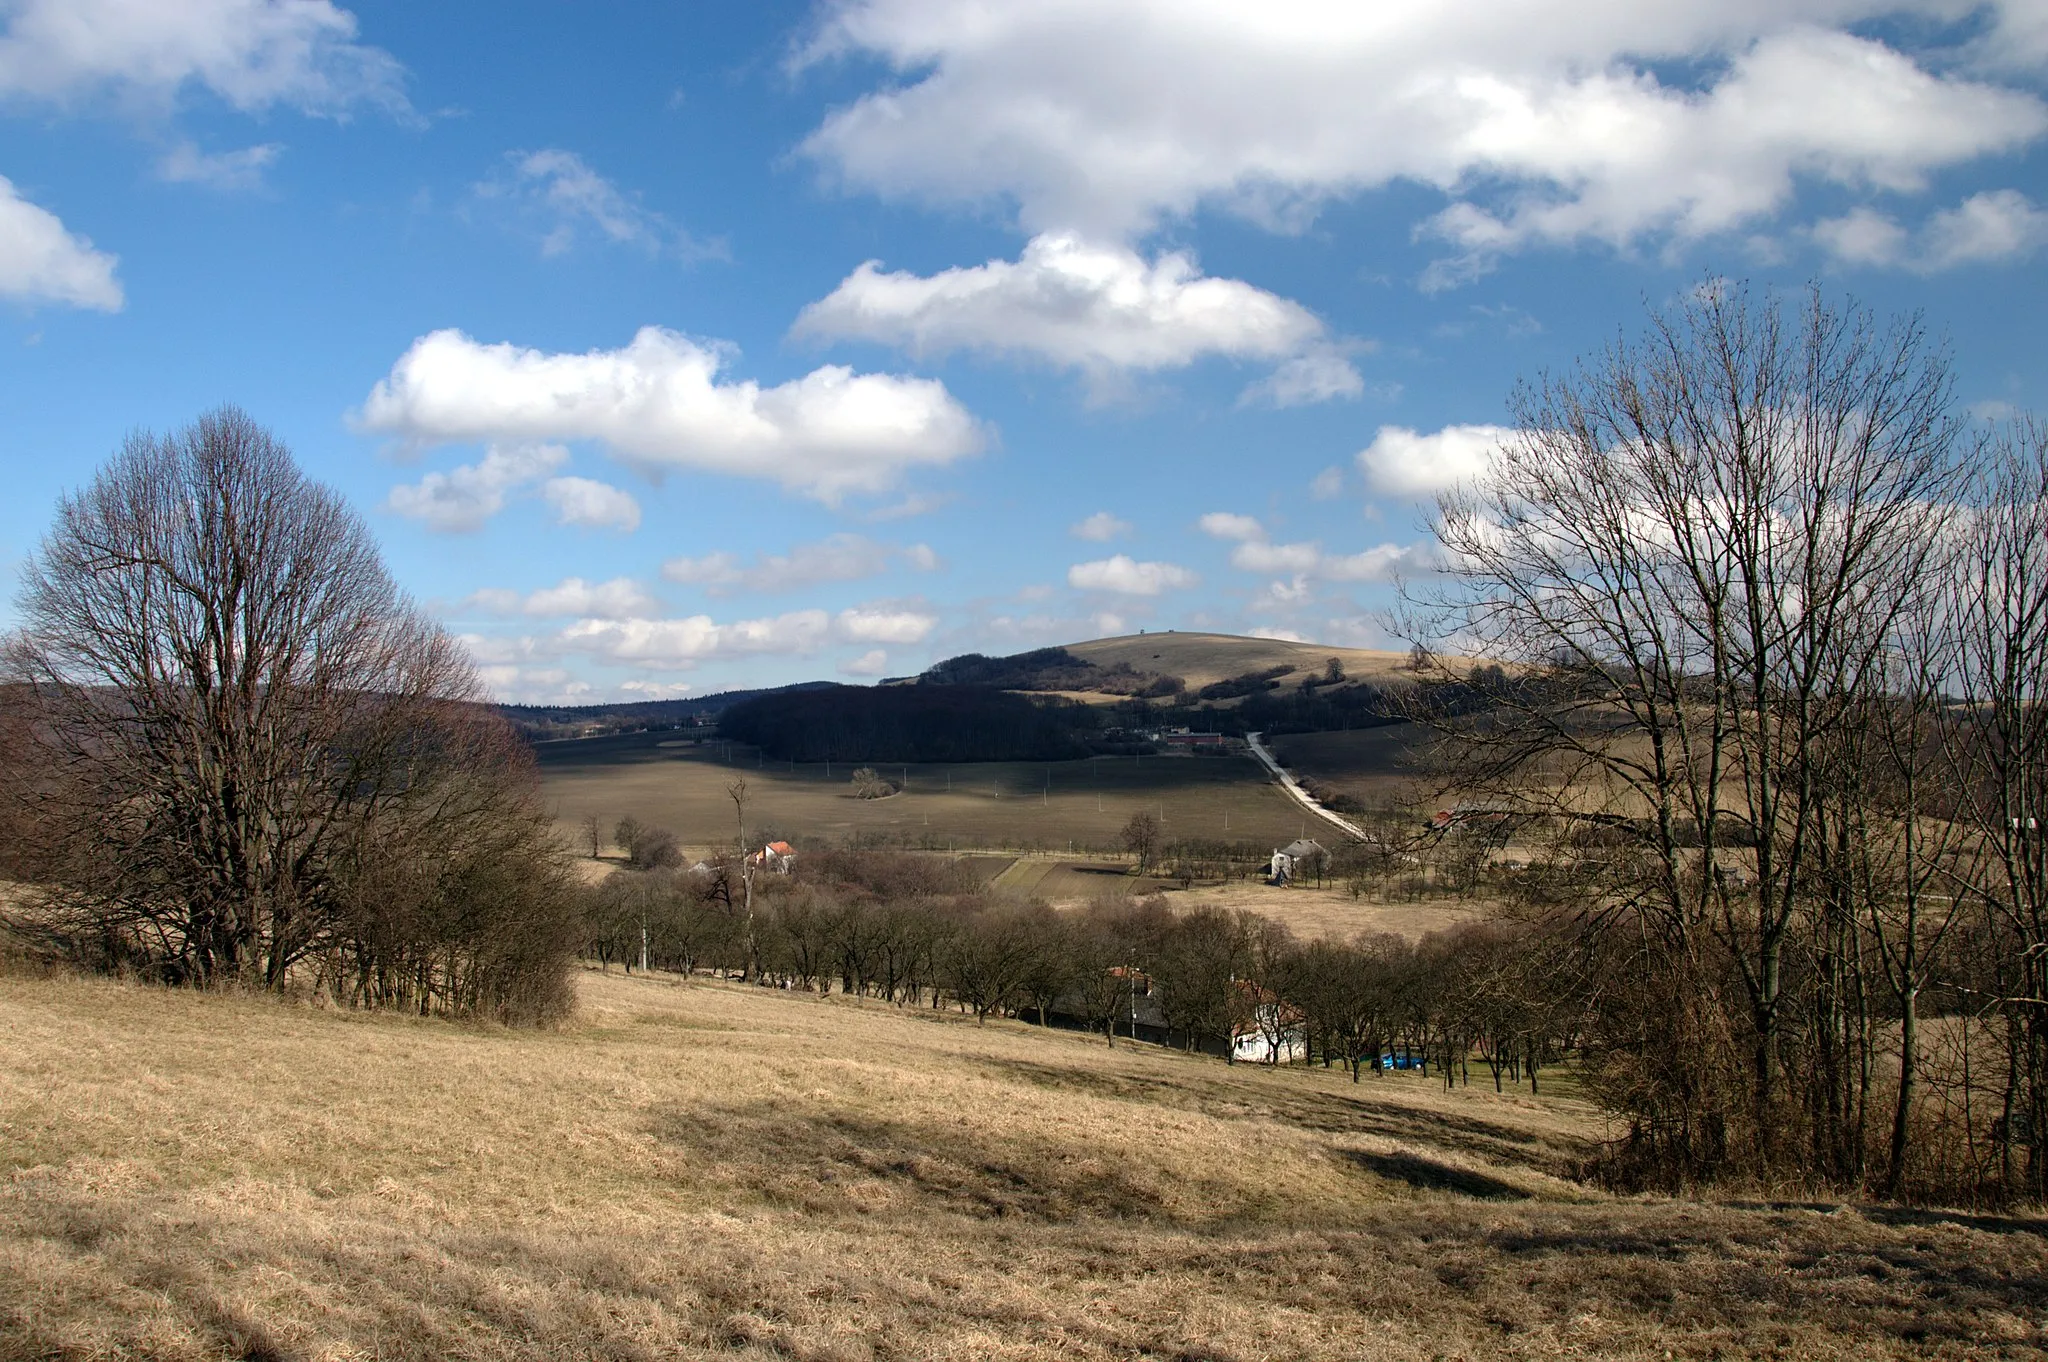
(678, 782)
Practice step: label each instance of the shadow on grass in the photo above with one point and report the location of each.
(1313, 1109)
(1432, 1176)
(857, 1163)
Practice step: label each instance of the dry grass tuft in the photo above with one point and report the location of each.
(699, 1170)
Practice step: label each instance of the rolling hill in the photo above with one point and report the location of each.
(1205, 659)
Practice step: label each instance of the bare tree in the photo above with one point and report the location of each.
(1698, 552)
(1140, 836)
(238, 722)
(593, 834)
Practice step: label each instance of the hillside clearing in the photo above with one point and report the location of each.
(712, 1170)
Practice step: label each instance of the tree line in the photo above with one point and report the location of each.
(922, 931)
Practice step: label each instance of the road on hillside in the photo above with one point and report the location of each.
(1296, 793)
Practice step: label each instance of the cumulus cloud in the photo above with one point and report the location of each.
(253, 54)
(1231, 525)
(1327, 485)
(572, 597)
(591, 505)
(1403, 463)
(1550, 121)
(1321, 375)
(185, 163)
(873, 662)
(1303, 563)
(839, 558)
(462, 499)
(1989, 228)
(683, 643)
(1099, 528)
(1102, 310)
(868, 624)
(660, 402)
(41, 262)
(1124, 576)
(564, 194)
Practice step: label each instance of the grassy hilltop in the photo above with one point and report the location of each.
(713, 1170)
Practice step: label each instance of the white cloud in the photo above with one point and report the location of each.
(683, 643)
(1985, 228)
(463, 498)
(659, 403)
(1282, 635)
(1253, 555)
(873, 662)
(1103, 310)
(1400, 462)
(185, 163)
(1099, 528)
(1318, 376)
(878, 625)
(1327, 485)
(656, 690)
(1109, 624)
(1863, 236)
(1303, 563)
(41, 262)
(697, 638)
(592, 505)
(620, 598)
(561, 191)
(1126, 577)
(839, 558)
(253, 54)
(1231, 525)
(1548, 121)
(1989, 228)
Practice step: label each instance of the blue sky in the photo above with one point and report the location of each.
(676, 347)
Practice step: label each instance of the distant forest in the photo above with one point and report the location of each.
(1049, 669)
(908, 723)
(541, 723)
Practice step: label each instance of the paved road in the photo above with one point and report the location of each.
(1296, 793)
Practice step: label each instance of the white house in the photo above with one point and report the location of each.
(1298, 857)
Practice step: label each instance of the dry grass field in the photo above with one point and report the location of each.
(707, 1170)
(677, 783)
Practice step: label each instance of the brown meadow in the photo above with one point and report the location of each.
(702, 1169)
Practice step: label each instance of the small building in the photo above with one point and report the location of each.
(1273, 1030)
(1191, 741)
(777, 857)
(1304, 856)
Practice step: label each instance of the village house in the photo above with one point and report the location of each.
(1302, 857)
(777, 857)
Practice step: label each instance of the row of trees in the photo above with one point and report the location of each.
(1775, 621)
(920, 931)
(234, 752)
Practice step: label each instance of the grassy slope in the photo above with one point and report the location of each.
(712, 1170)
(1200, 659)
